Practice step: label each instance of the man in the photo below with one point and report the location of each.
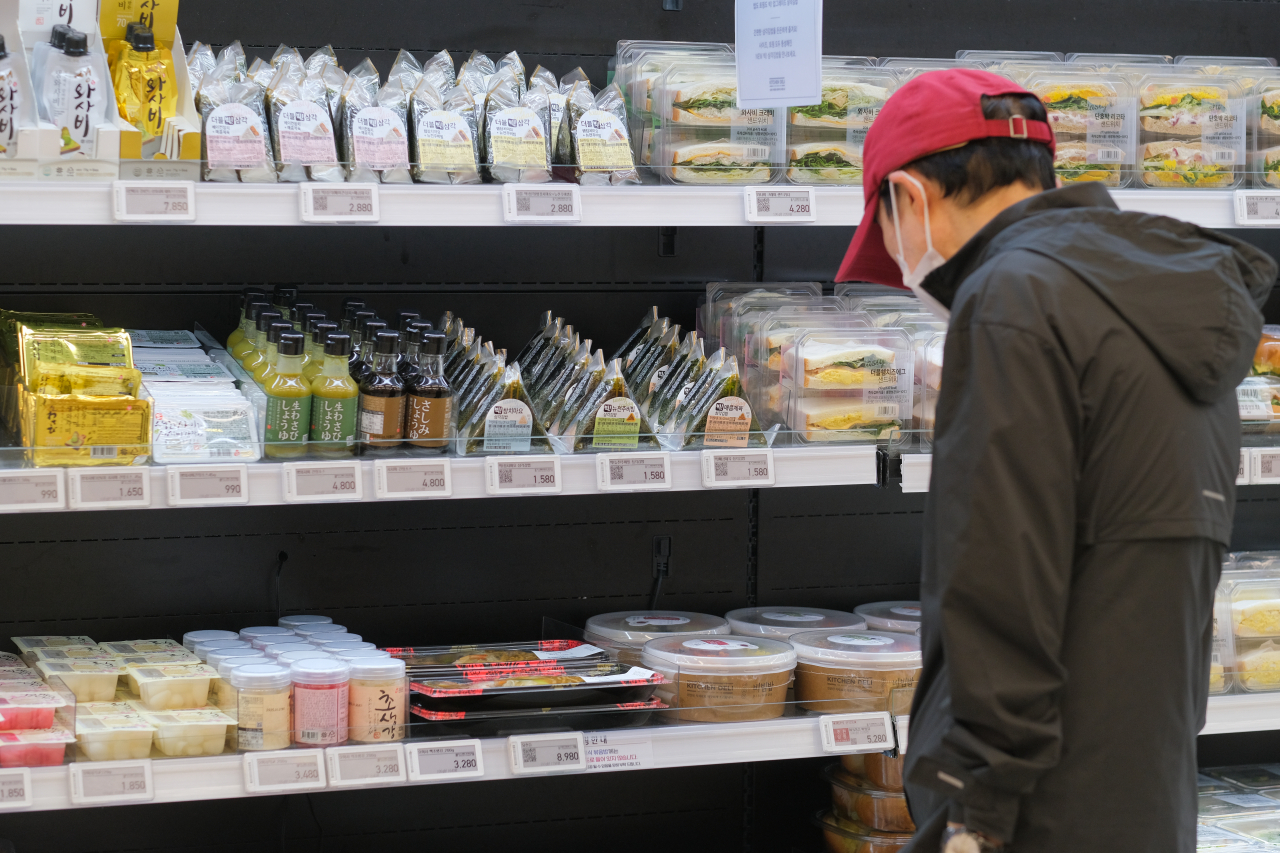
(1084, 471)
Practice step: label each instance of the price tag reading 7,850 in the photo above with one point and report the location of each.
(287, 770)
(208, 485)
(794, 204)
(633, 472)
(15, 788)
(115, 488)
(359, 766)
(729, 468)
(102, 783)
(445, 760)
(554, 203)
(535, 754)
(870, 732)
(154, 201)
(315, 482)
(339, 202)
(33, 490)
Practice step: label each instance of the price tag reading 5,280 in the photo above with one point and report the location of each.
(794, 204)
(869, 732)
(535, 754)
(322, 483)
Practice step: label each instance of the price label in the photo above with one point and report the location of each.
(287, 770)
(772, 205)
(633, 472)
(339, 202)
(110, 488)
(535, 754)
(1245, 469)
(358, 766)
(845, 733)
(1257, 207)
(15, 788)
(608, 751)
(406, 479)
(306, 482)
(208, 485)
(445, 760)
(900, 726)
(28, 490)
(554, 203)
(1266, 465)
(729, 468)
(104, 782)
(528, 475)
(155, 201)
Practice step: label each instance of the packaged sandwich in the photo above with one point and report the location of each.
(1185, 108)
(720, 162)
(302, 128)
(598, 129)
(234, 140)
(379, 134)
(832, 162)
(610, 419)
(1193, 131)
(446, 147)
(1093, 117)
(358, 92)
(851, 100)
(439, 71)
(517, 132)
(1188, 165)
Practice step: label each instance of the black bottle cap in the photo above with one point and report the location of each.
(425, 326)
(299, 310)
(254, 308)
(58, 38)
(388, 343)
(3, 52)
(413, 336)
(320, 332)
(370, 328)
(266, 318)
(277, 330)
(338, 344)
(252, 295)
(283, 295)
(77, 44)
(350, 309)
(143, 40)
(433, 343)
(309, 321)
(359, 318)
(291, 344)
(404, 318)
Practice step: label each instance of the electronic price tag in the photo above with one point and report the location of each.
(771, 205)
(339, 202)
(522, 475)
(285, 770)
(540, 754)
(101, 783)
(741, 468)
(15, 788)
(633, 472)
(445, 761)
(33, 490)
(208, 485)
(322, 482)
(1254, 207)
(154, 201)
(1245, 470)
(1266, 465)
(110, 488)
(551, 203)
(617, 750)
(358, 766)
(849, 733)
(405, 478)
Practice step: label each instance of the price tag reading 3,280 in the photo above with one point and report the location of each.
(33, 490)
(106, 782)
(154, 201)
(359, 766)
(536, 754)
(339, 202)
(316, 482)
(15, 788)
(286, 770)
(114, 488)
(793, 204)
(555, 203)
(845, 733)
(408, 478)
(1257, 207)
(208, 485)
(730, 468)
(633, 472)
(522, 475)
(445, 760)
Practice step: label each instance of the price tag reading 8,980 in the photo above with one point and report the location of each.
(15, 788)
(793, 204)
(558, 753)
(208, 485)
(1257, 208)
(155, 201)
(110, 488)
(728, 468)
(554, 203)
(358, 766)
(287, 770)
(446, 760)
(870, 732)
(339, 202)
(633, 472)
(316, 482)
(527, 475)
(32, 490)
(412, 479)
(101, 783)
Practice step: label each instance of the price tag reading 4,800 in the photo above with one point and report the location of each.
(101, 783)
(633, 472)
(110, 488)
(155, 201)
(524, 475)
(358, 766)
(406, 478)
(208, 485)
(558, 753)
(15, 788)
(339, 202)
(870, 732)
(793, 204)
(728, 468)
(33, 490)
(316, 482)
(445, 760)
(559, 203)
(287, 770)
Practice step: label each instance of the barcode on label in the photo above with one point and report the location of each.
(310, 735)
(524, 204)
(758, 152)
(103, 452)
(504, 475)
(888, 410)
(1110, 155)
(1224, 155)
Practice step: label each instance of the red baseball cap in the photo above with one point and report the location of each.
(933, 112)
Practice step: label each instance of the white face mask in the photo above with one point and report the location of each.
(932, 259)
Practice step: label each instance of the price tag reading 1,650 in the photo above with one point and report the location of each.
(322, 482)
(358, 766)
(339, 203)
(794, 204)
(287, 770)
(110, 488)
(553, 203)
(633, 472)
(155, 201)
(412, 478)
(208, 485)
(445, 760)
(729, 468)
(101, 783)
(558, 753)
(527, 475)
(15, 788)
(32, 490)
(869, 732)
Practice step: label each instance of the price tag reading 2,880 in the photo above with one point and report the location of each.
(558, 753)
(322, 482)
(729, 468)
(445, 760)
(155, 201)
(106, 782)
(409, 478)
(339, 202)
(869, 732)
(33, 490)
(633, 472)
(286, 770)
(359, 766)
(522, 475)
(793, 204)
(556, 203)
(208, 485)
(114, 488)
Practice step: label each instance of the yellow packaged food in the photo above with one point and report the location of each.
(64, 379)
(39, 347)
(10, 320)
(81, 430)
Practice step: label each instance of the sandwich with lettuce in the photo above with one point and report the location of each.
(1181, 110)
(1191, 165)
(720, 162)
(1073, 164)
(844, 419)
(825, 163)
(1269, 119)
(705, 102)
(1271, 166)
(1069, 104)
(837, 366)
(845, 103)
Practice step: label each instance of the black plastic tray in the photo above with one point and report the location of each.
(425, 723)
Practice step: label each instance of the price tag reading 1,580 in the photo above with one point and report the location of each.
(558, 753)
(155, 201)
(110, 488)
(633, 472)
(527, 475)
(322, 482)
(33, 490)
(729, 468)
(101, 783)
(794, 204)
(445, 760)
(553, 203)
(339, 203)
(286, 770)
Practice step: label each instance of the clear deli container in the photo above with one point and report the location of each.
(1251, 777)
(781, 622)
(897, 616)
(251, 634)
(90, 681)
(274, 650)
(32, 709)
(321, 699)
(854, 671)
(217, 656)
(75, 653)
(196, 731)
(34, 748)
(191, 638)
(165, 688)
(222, 693)
(846, 836)
(378, 698)
(858, 800)
(114, 738)
(359, 654)
(263, 713)
(1263, 829)
(718, 679)
(312, 628)
(30, 644)
(290, 658)
(292, 622)
(344, 645)
(324, 638)
(1234, 805)
(142, 647)
(203, 647)
(625, 632)
(1257, 669)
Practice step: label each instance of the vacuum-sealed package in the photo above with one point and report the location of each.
(446, 135)
(1192, 131)
(601, 147)
(517, 130)
(302, 129)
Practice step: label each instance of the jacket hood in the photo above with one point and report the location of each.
(1191, 294)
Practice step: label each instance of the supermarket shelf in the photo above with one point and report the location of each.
(1247, 712)
(278, 204)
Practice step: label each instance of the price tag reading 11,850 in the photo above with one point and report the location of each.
(287, 770)
(524, 475)
(870, 732)
(32, 490)
(412, 479)
(728, 468)
(558, 753)
(633, 472)
(208, 485)
(15, 788)
(322, 482)
(110, 488)
(559, 203)
(794, 204)
(155, 201)
(339, 203)
(101, 783)
(358, 766)
(445, 760)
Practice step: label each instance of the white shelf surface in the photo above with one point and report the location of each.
(420, 204)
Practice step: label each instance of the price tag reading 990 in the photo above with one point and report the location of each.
(358, 766)
(535, 754)
(729, 468)
(339, 203)
(528, 475)
(633, 472)
(794, 204)
(555, 203)
(322, 483)
(28, 490)
(101, 783)
(412, 479)
(155, 201)
(208, 485)
(15, 788)
(289, 770)
(445, 760)
(848, 733)
(110, 488)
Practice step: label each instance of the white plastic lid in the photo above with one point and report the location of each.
(865, 649)
(290, 658)
(226, 665)
(190, 638)
(380, 667)
(260, 676)
(317, 628)
(342, 645)
(901, 616)
(782, 622)
(637, 627)
(325, 639)
(276, 649)
(202, 649)
(264, 631)
(721, 654)
(292, 622)
(320, 671)
(359, 654)
(261, 643)
(217, 656)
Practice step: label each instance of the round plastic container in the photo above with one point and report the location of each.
(263, 720)
(857, 800)
(359, 654)
(254, 633)
(312, 628)
(337, 637)
(625, 632)
(723, 678)
(853, 671)
(261, 643)
(190, 638)
(321, 695)
(274, 650)
(342, 645)
(377, 706)
(781, 622)
(226, 695)
(898, 616)
(845, 836)
(292, 622)
(217, 656)
(203, 647)
(290, 658)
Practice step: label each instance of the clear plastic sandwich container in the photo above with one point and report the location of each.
(34, 747)
(1192, 131)
(30, 644)
(824, 140)
(114, 738)
(1234, 805)
(191, 638)
(164, 688)
(196, 731)
(844, 671)
(142, 647)
(1094, 117)
(896, 616)
(1256, 829)
(780, 623)
(33, 709)
(723, 678)
(292, 622)
(625, 632)
(90, 681)
(1105, 61)
(855, 799)
(1249, 777)
(846, 836)
(998, 56)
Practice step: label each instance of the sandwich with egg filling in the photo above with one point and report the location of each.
(838, 366)
(1069, 104)
(844, 419)
(709, 102)
(1271, 166)
(1181, 110)
(720, 162)
(825, 163)
(1269, 119)
(1071, 162)
(1171, 163)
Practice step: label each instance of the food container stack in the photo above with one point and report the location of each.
(29, 733)
(1239, 808)
(1094, 120)
(1246, 650)
(868, 807)
(824, 140)
(1191, 131)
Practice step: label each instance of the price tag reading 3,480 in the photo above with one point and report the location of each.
(794, 204)
(208, 485)
(339, 202)
(522, 475)
(154, 201)
(557, 203)
(33, 490)
(358, 766)
(15, 788)
(102, 783)
(845, 733)
(535, 754)
(116, 488)
(1257, 207)
(633, 472)
(287, 770)
(445, 760)
(730, 468)
(322, 482)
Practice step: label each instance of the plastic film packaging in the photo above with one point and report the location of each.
(517, 145)
(200, 61)
(559, 349)
(74, 98)
(683, 375)
(1192, 131)
(90, 681)
(505, 422)
(601, 147)
(658, 356)
(234, 141)
(379, 134)
(406, 70)
(34, 748)
(673, 409)
(652, 337)
(439, 71)
(490, 377)
(610, 419)
(81, 430)
(302, 128)
(720, 416)
(117, 737)
(566, 410)
(163, 688)
(649, 383)
(359, 92)
(33, 708)
(446, 134)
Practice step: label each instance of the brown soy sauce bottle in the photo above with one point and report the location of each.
(429, 420)
(382, 398)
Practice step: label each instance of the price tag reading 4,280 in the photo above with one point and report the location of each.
(339, 202)
(287, 770)
(1257, 207)
(110, 488)
(208, 485)
(322, 482)
(445, 761)
(870, 732)
(33, 490)
(106, 782)
(770, 204)
(154, 201)
(408, 478)
(633, 472)
(359, 766)
(15, 788)
(537, 754)
(730, 468)
(553, 203)
(522, 475)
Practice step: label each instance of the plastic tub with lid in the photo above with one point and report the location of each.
(846, 836)
(781, 622)
(626, 632)
(114, 738)
(321, 701)
(263, 714)
(203, 647)
(310, 629)
(34, 747)
(165, 688)
(290, 658)
(839, 672)
(195, 731)
(90, 681)
(346, 646)
(377, 700)
(292, 622)
(722, 678)
(253, 633)
(896, 616)
(359, 654)
(223, 694)
(191, 638)
(858, 800)
(32, 709)
(274, 650)
(263, 643)
(324, 638)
